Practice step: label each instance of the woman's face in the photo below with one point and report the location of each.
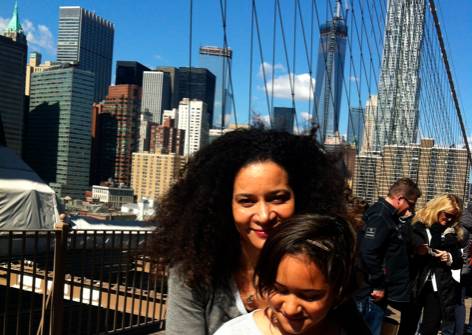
(447, 218)
(302, 296)
(262, 197)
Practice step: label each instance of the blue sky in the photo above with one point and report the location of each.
(157, 33)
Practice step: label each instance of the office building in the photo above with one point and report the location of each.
(129, 73)
(87, 39)
(197, 84)
(34, 62)
(218, 61)
(194, 83)
(366, 174)
(156, 94)
(437, 170)
(113, 196)
(396, 121)
(355, 127)
(58, 143)
(283, 119)
(153, 174)
(330, 74)
(145, 123)
(369, 132)
(193, 119)
(13, 51)
(166, 138)
(119, 128)
(173, 73)
(442, 170)
(97, 112)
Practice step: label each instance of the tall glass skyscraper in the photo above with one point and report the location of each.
(396, 120)
(218, 61)
(58, 141)
(196, 83)
(329, 74)
(87, 39)
(13, 51)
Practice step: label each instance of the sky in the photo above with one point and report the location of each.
(156, 33)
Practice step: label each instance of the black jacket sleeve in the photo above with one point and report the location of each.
(466, 219)
(372, 249)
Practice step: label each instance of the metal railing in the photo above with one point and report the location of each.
(79, 282)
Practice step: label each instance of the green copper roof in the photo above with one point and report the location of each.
(14, 25)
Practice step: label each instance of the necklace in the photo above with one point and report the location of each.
(251, 302)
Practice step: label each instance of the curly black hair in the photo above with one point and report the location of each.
(196, 232)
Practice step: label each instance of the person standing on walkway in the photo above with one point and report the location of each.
(384, 253)
(215, 220)
(437, 234)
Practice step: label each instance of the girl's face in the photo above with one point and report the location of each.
(301, 298)
(262, 197)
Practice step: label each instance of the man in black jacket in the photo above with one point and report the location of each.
(384, 253)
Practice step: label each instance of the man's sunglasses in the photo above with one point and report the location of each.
(411, 204)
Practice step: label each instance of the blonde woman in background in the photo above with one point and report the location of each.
(436, 235)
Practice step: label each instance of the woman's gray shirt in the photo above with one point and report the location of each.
(197, 311)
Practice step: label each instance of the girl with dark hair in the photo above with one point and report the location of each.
(304, 270)
(215, 220)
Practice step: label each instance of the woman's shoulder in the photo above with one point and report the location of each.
(244, 324)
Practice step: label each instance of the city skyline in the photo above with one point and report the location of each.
(146, 45)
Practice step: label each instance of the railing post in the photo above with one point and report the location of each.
(57, 306)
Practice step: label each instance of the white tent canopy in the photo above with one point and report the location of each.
(26, 202)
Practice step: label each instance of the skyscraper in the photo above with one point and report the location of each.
(156, 94)
(396, 120)
(366, 174)
(34, 62)
(218, 61)
(58, 139)
(193, 119)
(369, 124)
(130, 73)
(87, 39)
(166, 138)
(199, 84)
(145, 124)
(330, 73)
(154, 173)
(283, 118)
(194, 83)
(13, 50)
(174, 84)
(119, 129)
(355, 127)
(436, 170)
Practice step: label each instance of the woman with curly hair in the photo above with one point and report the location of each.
(436, 235)
(215, 220)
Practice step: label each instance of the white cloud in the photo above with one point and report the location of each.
(354, 78)
(267, 68)
(306, 116)
(258, 119)
(303, 89)
(3, 23)
(38, 36)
